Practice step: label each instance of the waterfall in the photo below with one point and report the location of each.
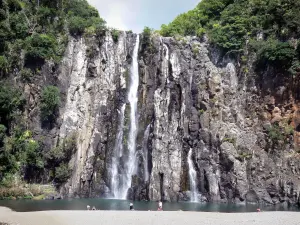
(165, 64)
(133, 100)
(191, 81)
(193, 178)
(145, 153)
(118, 152)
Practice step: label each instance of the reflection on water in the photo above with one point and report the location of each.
(112, 204)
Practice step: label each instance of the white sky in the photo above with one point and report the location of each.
(136, 14)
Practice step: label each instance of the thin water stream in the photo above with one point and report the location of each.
(193, 178)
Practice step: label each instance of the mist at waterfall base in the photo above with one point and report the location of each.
(114, 204)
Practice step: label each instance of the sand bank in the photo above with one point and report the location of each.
(147, 217)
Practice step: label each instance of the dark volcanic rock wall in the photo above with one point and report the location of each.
(191, 99)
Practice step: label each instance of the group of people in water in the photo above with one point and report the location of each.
(160, 207)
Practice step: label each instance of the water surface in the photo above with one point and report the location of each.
(110, 204)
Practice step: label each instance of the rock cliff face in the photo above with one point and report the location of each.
(189, 98)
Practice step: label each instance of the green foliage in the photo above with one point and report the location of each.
(26, 75)
(63, 152)
(146, 40)
(2, 134)
(40, 47)
(33, 156)
(39, 28)
(18, 26)
(77, 25)
(276, 53)
(11, 100)
(242, 156)
(62, 173)
(3, 65)
(115, 35)
(279, 133)
(230, 23)
(201, 111)
(147, 32)
(19, 151)
(184, 24)
(50, 101)
(83, 17)
(230, 140)
(58, 158)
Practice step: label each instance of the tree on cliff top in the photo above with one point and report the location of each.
(230, 23)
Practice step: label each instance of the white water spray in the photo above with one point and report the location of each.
(118, 152)
(145, 153)
(133, 100)
(165, 63)
(193, 178)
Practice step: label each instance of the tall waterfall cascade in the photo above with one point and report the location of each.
(116, 179)
(192, 178)
(145, 153)
(122, 182)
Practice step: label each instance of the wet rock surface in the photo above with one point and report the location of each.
(191, 98)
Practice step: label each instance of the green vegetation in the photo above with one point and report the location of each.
(230, 24)
(83, 17)
(230, 140)
(11, 101)
(279, 133)
(40, 47)
(40, 29)
(275, 133)
(115, 35)
(26, 75)
(58, 158)
(146, 40)
(3, 66)
(19, 151)
(244, 156)
(201, 111)
(50, 101)
(31, 33)
(25, 191)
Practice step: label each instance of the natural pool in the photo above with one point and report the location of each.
(112, 204)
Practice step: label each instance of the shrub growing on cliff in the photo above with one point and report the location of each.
(26, 75)
(58, 158)
(11, 100)
(82, 17)
(2, 134)
(77, 25)
(62, 173)
(40, 47)
(50, 101)
(276, 53)
(229, 23)
(115, 35)
(19, 152)
(3, 65)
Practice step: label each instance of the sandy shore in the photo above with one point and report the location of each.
(146, 217)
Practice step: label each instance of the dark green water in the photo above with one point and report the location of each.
(110, 204)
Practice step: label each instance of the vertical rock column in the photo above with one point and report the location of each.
(90, 111)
